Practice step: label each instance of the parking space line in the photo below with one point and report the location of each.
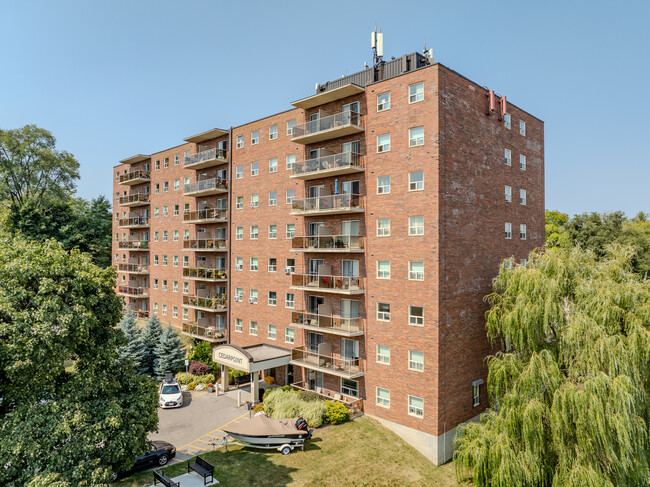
(209, 433)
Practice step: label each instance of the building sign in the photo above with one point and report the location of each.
(232, 357)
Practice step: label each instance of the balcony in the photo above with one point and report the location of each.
(135, 177)
(140, 313)
(328, 284)
(134, 245)
(137, 199)
(205, 159)
(327, 128)
(336, 325)
(133, 292)
(133, 268)
(208, 333)
(135, 222)
(211, 215)
(333, 165)
(205, 245)
(328, 205)
(205, 274)
(328, 244)
(212, 304)
(206, 187)
(328, 364)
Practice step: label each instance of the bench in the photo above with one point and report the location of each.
(203, 468)
(163, 479)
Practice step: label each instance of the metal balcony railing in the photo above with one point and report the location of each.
(205, 156)
(140, 313)
(327, 123)
(134, 198)
(137, 221)
(134, 244)
(133, 291)
(328, 204)
(218, 244)
(325, 323)
(205, 215)
(335, 364)
(336, 162)
(341, 243)
(205, 273)
(143, 176)
(142, 268)
(214, 303)
(215, 184)
(343, 284)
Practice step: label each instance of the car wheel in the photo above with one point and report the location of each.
(162, 460)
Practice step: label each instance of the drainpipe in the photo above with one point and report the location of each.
(228, 234)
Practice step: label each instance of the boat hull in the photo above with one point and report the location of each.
(269, 440)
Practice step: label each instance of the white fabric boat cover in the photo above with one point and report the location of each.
(265, 426)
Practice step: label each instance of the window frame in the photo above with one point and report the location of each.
(419, 95)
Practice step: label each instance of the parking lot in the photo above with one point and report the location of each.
(193, 428)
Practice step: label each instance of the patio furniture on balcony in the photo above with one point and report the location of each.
(331, 165)
(328, 243)
(135, 177)
(328, 205)
(208, 215)
(205, 159)
(206, 187)
(349, 368)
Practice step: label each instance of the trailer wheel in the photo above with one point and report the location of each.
(286, 449)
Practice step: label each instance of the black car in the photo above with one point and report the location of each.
(158, 455)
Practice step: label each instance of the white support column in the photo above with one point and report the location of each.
(255, 387)
(224, 378)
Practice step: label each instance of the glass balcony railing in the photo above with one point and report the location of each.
(135, 268)
(140, 313)
(207, 215)
(205, 244)
(338, 125)
(204, 332)
(134, 199)
(344, 163)
(134, 244)
(212, 303)
(338, 284)
(339, 203)
(135, 177)
(328, 243)
(202, 273)
(333, 323)
(142, 292)
(333, 364)
(207, 186)
(137, 221)
(205, 158)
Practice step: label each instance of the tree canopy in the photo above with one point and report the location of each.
(70, 411)
(570, 393)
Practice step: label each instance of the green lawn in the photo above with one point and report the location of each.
(358, 453)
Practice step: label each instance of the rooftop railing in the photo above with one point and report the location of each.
(335, 162)
(205, 156)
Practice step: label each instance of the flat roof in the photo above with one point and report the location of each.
(262, 352)
(134, 159)
(327, 96)
(209, 135)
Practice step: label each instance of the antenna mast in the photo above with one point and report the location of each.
(377, 45)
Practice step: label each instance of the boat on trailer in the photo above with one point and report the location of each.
(264, 432)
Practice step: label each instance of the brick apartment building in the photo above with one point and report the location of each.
(357, 233)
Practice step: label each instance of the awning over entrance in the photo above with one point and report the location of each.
(252, 358)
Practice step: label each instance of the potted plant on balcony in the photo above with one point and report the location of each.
(209, 244)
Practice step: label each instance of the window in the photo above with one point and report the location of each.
(186, 235)
(166, 162)
(164, 260)
(239, 203)
(155, 236)
(383, 397)
(255, 168)
(508, 194)
(289, 335)
(175, 237)
(291, 265)
(255, 137)
(254, 264)
(185, 314)
(508, 156)
(383, 143)
(416, 181)
(416, 361)
(176, 210)
(255, 200)
(416, 315)
(155, 283)
(155, 260)
(522, 127)
(273, 264)
(523, 262)
(416, 271)
(273, 198)
(157, 165)
(291, 195)
(273, 231)
(273, 165)
(254, 296)
(291, 230)
(508, 230)
(165, 211)
(416, 136)
(507, 120)
(156, 212)
(186, 287)
(164, 285)
(175, 261)
(522, 196)
(522, 231)
(156, 188)
(507, 263)
(166, 186)
(291, 160)
(239, 263)
(383, 311)
(239, 233)
(252, 328)
(416, 406)
(522, 162)
(271, 332)
(272, 298)
(177, 159)
(239, 172)
(416, 225)
(290, 126)
(155, 308)
(177, 184)
(383, 185)
(164, 310)
(383, 269)
(383, 354)
(476, 392)
(273, 132)
(239, 292)
(165, 234)
(289, 300)
(239, 325)
(383, 227)
(175, 286)
(383, 101)
(186, 261)
(240, 141)
(350, 387)
(254, 232)
(416, 92)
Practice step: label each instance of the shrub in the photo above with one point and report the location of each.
(199, 368)
(336, 413)
(283, 404)
(191, 386)
(233, 374)
(258, 407)
(185, 378)
(309, 396)
(204, 379)
(313, 412)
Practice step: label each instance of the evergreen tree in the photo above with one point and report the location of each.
(570, 395)
(150, 338)
(134, 348)
(170, 356)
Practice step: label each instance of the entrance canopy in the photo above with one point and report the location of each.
(252, 358)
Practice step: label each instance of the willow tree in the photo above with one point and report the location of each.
(570, 393)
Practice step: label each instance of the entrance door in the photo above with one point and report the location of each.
(313, 340)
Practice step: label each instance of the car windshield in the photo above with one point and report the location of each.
(170, 390)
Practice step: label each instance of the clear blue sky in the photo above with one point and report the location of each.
(115, 78)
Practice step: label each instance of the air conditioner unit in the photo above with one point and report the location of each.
(238, 267)
(287, 270)
(252, 205)
(252, 300)
(237, 297)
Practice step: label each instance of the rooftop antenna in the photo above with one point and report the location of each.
(377, 45)
(428, 54)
